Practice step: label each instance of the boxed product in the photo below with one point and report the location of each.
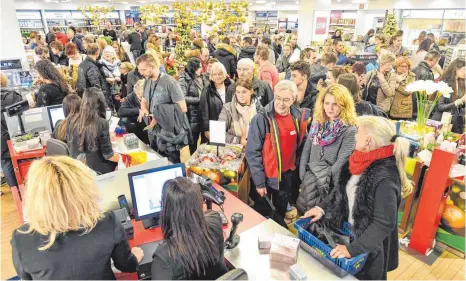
(265, 242)
(284, 249)
(297, 273)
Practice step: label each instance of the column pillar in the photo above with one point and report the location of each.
(309, 28)
(10, 34)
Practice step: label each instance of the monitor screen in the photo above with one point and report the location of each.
(55, 113)
(146, 189)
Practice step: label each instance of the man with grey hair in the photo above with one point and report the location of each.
(262, 90)
(424, 69)
(272, 160)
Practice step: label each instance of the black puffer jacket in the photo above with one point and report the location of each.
(9, 97)
(423, 72)
(226, 54)
(247, 53)
(262, 90)
(192, 92)
(377, 198)
(133, 77)
(210, 105)
(134, 39)
(366, 108)
(60, 59)
(89, 75)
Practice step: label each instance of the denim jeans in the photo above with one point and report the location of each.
(9, 172)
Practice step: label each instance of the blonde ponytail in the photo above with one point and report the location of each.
(400, 152)
(382, 130)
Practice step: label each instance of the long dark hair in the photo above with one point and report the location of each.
(71, 106)
(189, 239)
(449, 77)
(193, 65)
(350, 81)
(84, 124)
(50, 72)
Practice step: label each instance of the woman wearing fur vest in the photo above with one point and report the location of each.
(368, 195)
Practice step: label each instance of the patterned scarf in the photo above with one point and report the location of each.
(242, 116)
(326, 133)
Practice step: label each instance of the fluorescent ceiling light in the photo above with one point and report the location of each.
(260, 2)
(297, 2)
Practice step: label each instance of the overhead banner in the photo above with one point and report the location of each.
(321, 25)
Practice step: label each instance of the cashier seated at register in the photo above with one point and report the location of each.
(88, 135)
(193, 241)
(67, 237)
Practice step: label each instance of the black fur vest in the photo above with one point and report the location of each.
(336, 208)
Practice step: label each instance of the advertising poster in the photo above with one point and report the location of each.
(321, 25)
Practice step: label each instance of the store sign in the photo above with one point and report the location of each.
(10, 64)
(28, 15)
(261, 14)
(57, 15)
(272, 14)
(321, 26)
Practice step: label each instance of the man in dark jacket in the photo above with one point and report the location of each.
(71, 33)
(212, 41)
(424, 70)
(58, 55)
(248, 50)
(9, 97)
(89, 74)
(226, 54)
(262, 90)
(300, 72)
(133, 77)
(130, 109)
(79, 33)
(109, 32)
(134, 40)
(272, 160)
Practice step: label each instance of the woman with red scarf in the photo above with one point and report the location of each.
(368, 195)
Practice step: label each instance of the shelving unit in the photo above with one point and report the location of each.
(264, 18)
(30, 21)
(347, 26)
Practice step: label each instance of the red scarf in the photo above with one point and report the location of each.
(360, 161)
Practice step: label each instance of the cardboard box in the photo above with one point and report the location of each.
(284, 249)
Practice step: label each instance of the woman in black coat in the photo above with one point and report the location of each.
(226, 54)
(88, 134)
(455, 77)
(368, 195)
(54, 87)
(129, 111)
(192, 84)
(213, 98)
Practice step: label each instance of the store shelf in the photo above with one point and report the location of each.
(31, 27)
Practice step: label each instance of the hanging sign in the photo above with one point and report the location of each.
(321, 25)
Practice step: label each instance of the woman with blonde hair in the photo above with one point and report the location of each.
(102, 43)
(380, 83)
(371, 185)
(328, 146)
(402, 107)
(67, 237)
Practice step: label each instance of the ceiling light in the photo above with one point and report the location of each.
(297, 2)
(260, 1)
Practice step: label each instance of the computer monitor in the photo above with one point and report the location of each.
(146, 191)
(55, 113)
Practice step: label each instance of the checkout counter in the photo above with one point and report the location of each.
(246, 255)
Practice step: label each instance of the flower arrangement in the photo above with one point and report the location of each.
(427, 95)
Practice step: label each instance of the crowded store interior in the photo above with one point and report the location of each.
(233, 139)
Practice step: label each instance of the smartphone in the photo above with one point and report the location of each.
(147, 119)
(124, 204)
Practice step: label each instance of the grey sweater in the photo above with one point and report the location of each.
(320, 167)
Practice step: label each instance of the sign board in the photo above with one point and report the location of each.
(10, 64)
(217, 132)
(77, 15)
(335, 15)
(57, 15)
(261, 14)
(33, 15)
(321, 25)
(272, 14)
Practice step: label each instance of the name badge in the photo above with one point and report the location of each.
(292, 133)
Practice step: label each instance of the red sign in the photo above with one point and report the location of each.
(335, 15)
(321, 26)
